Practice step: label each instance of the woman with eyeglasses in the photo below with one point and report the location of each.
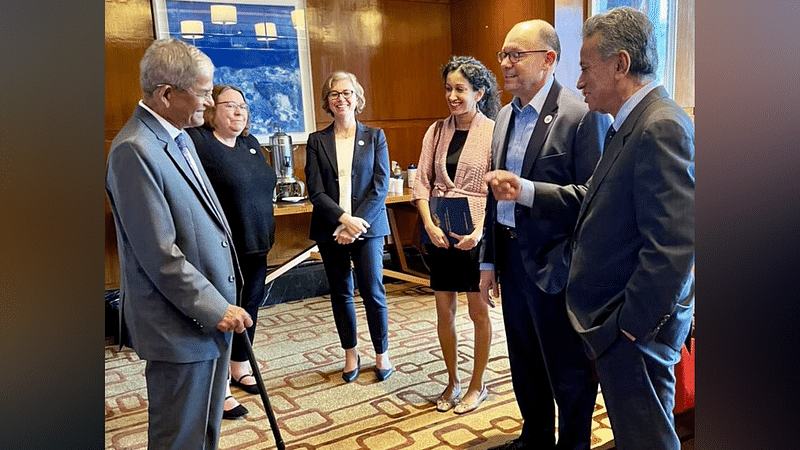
(244, 183)
(347, 175)
(454, 158)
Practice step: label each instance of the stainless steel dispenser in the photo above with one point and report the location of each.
(288, 187)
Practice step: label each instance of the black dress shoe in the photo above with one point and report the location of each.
(249, 388)
(384, 374)
(235, 413)
(515, 444)
(353, 374)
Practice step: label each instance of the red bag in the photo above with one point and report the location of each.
(684, 380)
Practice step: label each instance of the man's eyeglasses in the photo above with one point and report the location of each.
(333, 95)
(514, 56)
(205, 95)
(230, 106)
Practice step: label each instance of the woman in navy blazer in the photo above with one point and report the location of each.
(347, 175)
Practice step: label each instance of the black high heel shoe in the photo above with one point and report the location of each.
(353, 374)
(384, 374)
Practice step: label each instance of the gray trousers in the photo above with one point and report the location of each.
(185, 403)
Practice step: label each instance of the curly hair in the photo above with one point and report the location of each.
(479, 77)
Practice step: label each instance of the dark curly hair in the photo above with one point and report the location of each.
(479, 77)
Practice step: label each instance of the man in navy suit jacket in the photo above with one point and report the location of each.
(545, 134)
(630, 293)
(179, 280)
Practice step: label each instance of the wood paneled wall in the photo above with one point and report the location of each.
(129, 31)
(395, 48)
(479, 28)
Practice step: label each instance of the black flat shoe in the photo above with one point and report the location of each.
(384, 374)
(249, 388)
(235, 413)
(353, 374)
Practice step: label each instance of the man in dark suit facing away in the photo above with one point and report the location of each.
(545, 134)
(630, 293)
(179, 280)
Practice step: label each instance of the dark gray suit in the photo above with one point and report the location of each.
(631, 268)
(547, 361)
(178, 275)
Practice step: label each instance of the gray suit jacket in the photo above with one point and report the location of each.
(564, 148)
(633, 246)
(178, 272)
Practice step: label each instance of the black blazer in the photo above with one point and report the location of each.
(370, 181)
(564, 148)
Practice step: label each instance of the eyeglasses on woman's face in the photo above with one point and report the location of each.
(231, 106)
(346, 94)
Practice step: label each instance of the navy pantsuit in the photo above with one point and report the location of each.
(369, 187)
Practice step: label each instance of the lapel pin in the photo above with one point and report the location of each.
(252, 151)
(361, 142)
(548, 118)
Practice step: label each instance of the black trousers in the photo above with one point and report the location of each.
(547, 360)
(254, 272)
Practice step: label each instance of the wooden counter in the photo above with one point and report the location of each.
(293, 222)
(305, 206)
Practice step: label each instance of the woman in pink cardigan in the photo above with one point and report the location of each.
(455, 156)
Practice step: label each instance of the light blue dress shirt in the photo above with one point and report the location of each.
(631, 102)
(522, 126)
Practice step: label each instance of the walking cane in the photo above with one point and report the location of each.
(273, 423)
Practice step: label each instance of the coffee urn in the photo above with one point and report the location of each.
(288, 187)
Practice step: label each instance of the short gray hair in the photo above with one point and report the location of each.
(328, 85)
(626, 29)
(172, 62)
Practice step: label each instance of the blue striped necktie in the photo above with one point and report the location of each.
(180, 139)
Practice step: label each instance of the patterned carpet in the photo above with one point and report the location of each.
(300, 359)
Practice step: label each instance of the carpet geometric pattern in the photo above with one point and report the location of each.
(300, 359)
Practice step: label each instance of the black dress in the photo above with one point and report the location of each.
(454, 270)
(244, 183)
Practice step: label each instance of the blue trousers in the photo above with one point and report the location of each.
(547, 360)
(367, 258)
